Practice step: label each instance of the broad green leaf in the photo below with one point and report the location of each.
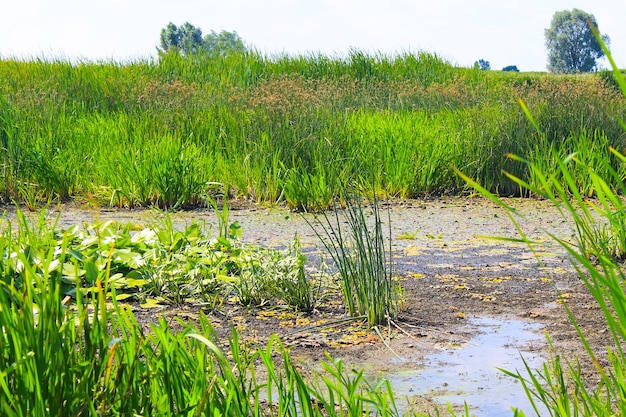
(72, 271)
(91, 272)
(235, 231)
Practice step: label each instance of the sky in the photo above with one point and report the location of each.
(503, 32)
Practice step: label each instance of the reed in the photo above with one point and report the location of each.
(284, 128)
(363, 260)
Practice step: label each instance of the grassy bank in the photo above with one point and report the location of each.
(285, 129)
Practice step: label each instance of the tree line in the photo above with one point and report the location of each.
(571, 44)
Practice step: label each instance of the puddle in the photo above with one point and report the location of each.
(469, 374)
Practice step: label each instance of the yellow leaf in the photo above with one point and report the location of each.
(151, 303)
(411, 250)
(303, 321)
(123, 296)
(264, 315)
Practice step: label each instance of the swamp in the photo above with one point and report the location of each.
(310, 236)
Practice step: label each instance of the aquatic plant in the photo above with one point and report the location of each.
(283, 128)
(363, 258)
(154, 264)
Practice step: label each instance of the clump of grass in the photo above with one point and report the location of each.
(363, 260)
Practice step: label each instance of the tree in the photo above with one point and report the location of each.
(223, 43)
(187, 40)
(511, 68)
(572, 46)
(170, 38)
(482, 65)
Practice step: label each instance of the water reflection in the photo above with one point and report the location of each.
(469, 373)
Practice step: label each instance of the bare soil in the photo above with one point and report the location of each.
(450, 273)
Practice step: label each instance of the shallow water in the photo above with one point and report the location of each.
(468, 373)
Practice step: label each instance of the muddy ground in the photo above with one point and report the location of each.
(450, 273)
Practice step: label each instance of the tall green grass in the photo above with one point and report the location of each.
(597, 253)
(282, 128)
(587, 186)
(362, 254)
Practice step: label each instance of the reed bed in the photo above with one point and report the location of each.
(284, 129)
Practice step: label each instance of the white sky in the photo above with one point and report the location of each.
(503, 32)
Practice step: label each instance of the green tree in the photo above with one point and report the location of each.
(170, 38)
(223, 43)
(482, 64)
(572, 46)
(187, 40)
(510, 68)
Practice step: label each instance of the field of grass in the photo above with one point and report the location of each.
(286, 129)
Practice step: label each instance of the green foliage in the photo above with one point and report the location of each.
(280, 129)
(96, 359)
(269, 277)
(223, 43)
(511, 68)
(572, 46)
(482, 64)
(155, 264)
(597, 253)
(188, 41)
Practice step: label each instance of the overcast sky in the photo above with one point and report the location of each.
(503, 32)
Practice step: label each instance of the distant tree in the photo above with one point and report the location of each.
(482, 65)
(170, 38)
(187, 40)
(572, 46)
(223, 43)
(512, 68)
